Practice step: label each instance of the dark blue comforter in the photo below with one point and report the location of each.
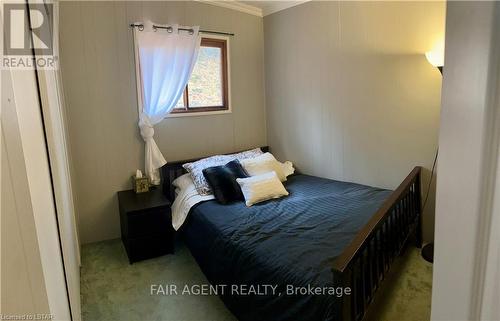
(292, 241)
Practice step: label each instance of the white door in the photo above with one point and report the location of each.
(39, 261)
(52, 100)
(61, 179)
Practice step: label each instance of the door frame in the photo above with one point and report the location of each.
(467, 234)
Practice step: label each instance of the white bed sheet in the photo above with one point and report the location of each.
(185, 199)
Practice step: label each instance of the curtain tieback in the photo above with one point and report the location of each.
(147, 130)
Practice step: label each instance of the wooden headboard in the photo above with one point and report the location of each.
(172, 170)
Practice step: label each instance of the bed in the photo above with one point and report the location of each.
(326, 236)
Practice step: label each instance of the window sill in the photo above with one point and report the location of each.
(201, 113)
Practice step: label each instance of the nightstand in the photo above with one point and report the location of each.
(146, 224)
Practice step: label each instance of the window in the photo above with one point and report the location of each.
(207, 89)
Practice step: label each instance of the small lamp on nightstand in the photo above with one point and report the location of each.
(436, 58)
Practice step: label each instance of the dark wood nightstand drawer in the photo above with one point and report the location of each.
(149, 222)
(148, 247)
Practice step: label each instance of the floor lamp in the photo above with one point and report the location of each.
(435, 58)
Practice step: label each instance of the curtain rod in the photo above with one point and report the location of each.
(170, 29)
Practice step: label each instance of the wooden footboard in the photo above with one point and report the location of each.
(365, 262)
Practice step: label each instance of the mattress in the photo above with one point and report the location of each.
(289, 244)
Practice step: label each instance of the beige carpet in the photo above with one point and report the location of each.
(405, 294)
(112, 289)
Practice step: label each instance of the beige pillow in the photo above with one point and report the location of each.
(261, 188)
(288, 168)
(264, 163)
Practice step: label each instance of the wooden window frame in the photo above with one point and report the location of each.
(215, 43)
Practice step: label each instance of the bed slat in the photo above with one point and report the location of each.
(365, 262)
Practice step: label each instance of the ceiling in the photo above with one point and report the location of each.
(268, 7)
(258, 8)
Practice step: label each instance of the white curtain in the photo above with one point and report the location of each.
(164, 63)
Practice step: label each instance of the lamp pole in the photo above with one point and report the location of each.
(428, 249)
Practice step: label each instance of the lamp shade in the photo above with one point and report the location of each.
(436, 56)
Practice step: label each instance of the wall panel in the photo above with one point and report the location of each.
(349, 93)
(97, 62)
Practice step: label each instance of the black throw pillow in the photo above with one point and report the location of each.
(222, 181)
(237, 170)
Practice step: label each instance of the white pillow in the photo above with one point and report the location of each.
(183, 181)
(264, 163)
(288, 168)
(247, 154)
(261, 188)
